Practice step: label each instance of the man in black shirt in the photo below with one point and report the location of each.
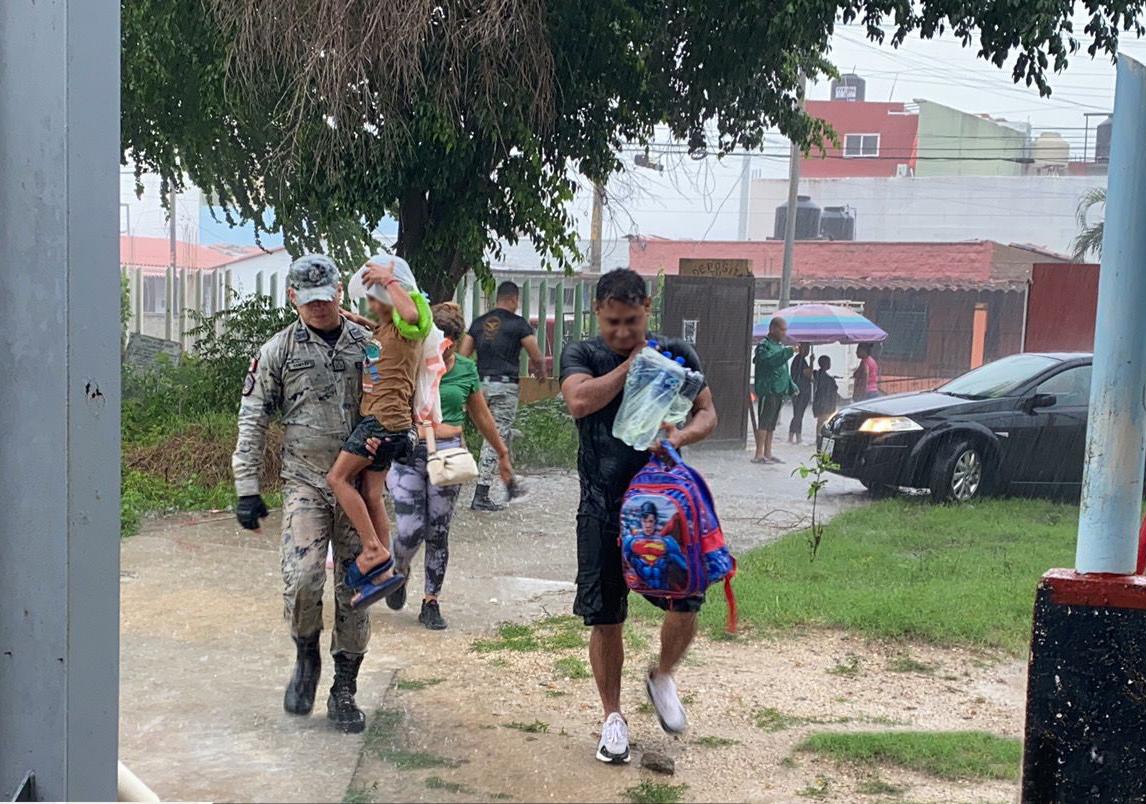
(499, 336)
(592, 381)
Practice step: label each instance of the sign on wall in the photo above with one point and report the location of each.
(721, 268)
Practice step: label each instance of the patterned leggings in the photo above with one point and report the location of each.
(423, 512)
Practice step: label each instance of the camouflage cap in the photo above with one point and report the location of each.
(314, 277)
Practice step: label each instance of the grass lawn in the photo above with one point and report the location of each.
(945, 755)
(905, 568)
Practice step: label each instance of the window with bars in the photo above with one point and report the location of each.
(155, 294)
(861, 145)
(905, 322)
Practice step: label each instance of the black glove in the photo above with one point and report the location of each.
(249, 510)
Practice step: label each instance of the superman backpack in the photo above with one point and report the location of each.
(672, 545)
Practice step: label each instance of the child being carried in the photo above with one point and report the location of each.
(388, 373)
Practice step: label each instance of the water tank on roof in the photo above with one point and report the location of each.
(1102, 140)
(838, 223)
(807, 219)
(1051, 149)
(848, 87)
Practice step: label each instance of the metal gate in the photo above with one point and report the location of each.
(715, 316)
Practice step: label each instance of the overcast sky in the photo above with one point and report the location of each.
(700, 199)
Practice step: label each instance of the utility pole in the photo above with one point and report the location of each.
(172, 296)
(595, 228)
(790, 215)
(745, 187)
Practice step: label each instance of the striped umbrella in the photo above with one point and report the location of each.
(822, 323)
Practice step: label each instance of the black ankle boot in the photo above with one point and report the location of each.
(340, 707)
(482, 502)
(299, 696)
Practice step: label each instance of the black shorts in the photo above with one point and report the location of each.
(602, 595)
(768, 411)
(396, 445)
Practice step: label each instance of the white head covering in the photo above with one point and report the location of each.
(358, 290)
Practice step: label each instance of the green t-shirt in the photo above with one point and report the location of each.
(456, 387)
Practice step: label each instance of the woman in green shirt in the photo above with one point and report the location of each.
(424, 511)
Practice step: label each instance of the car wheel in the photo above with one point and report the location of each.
(959, 473)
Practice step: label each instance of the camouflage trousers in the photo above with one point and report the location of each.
(311, 521)
(423, 512)
(502, 399)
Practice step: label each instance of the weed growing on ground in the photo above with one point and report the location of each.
(875, 786)
(944, 755)
(820, 788)
(821, 465)
(788, 762)
(635, 640)
(906, 664)
(771, 719)
(358, 796)
(417, 683)
(555, 693)
(438, 783)
(850, 667)
(536, 727)
(572, 668)
(655, 793)
(715, 742)
(385, 737)
(553, 634)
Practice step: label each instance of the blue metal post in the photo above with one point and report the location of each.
(1116, 436)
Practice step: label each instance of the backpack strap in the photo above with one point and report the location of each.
(730, 599)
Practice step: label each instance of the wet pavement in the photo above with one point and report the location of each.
(205, 653)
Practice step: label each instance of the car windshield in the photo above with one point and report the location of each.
(999, 378)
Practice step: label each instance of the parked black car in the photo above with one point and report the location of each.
(1017, 424)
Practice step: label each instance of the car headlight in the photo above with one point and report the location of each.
(888, 424)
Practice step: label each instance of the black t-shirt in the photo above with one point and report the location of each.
(497, 337)
(798, 368)
(606, 465)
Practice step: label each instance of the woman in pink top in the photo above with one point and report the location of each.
(866, 375)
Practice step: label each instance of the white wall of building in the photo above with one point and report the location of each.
(244, 274)
(1033, 210)
(144, 216)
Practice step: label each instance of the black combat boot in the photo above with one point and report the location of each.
(299, 697)
(482, 502)
(340, 707)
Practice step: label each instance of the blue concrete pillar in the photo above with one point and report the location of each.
(1116, 438)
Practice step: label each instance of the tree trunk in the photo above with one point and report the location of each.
(438, 271)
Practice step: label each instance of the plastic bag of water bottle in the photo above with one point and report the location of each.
(686, 396)
(652, 385)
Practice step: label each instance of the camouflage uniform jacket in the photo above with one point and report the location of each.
(317, 388)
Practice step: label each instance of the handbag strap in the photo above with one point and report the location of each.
(427, 430)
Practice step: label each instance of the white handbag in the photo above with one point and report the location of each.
(448, 467)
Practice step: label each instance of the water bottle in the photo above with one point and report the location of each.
(686, 396)
(652, 384)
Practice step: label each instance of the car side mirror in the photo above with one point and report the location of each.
(1041, 401)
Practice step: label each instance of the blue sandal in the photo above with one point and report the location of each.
(371, 590)
(355, 578)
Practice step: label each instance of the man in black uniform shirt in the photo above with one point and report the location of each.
(499, 336)
(592, 381)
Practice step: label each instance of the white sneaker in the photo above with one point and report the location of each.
(614, 745)
(662, 695)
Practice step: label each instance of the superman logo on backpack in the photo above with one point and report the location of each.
(672, 544)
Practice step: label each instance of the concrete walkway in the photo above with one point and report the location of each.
(205, 653)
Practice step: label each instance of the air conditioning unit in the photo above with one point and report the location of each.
(903, 169)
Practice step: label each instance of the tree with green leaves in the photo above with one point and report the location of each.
(1089, 239)
(464, 119)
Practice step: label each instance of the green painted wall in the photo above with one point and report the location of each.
(955, 143)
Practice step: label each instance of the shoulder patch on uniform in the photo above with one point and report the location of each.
(249, 382)
(301, 334)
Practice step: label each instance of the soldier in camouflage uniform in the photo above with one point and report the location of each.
(311, 374)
